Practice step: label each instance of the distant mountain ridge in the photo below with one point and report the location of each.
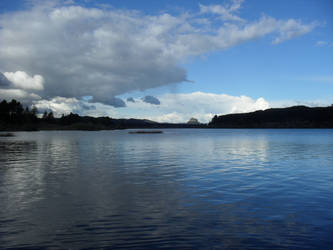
(291, 117)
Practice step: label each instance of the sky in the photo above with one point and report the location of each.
(166, 61)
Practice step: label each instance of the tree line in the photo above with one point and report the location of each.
(13, 112)
(291, 117)
(15, 117)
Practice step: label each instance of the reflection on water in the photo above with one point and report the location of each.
(180, 189)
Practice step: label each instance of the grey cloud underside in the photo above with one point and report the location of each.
(130, 99)
(88, 107)
(104, 53)
(115, 102)
(4, 82)
(110, 56)
(151, 99)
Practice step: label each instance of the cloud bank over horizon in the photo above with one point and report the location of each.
(59, 50)
(172, 108)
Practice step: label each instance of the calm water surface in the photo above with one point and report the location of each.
(180, 189)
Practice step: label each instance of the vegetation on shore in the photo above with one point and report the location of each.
(6, 135)
(292, 117)
(14, 117)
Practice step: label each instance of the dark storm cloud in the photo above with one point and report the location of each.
(151, 99)
(4, 82)
(130, 99)
(116, 102)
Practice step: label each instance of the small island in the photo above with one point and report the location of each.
(146, 132)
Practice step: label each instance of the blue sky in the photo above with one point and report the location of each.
(197, 58)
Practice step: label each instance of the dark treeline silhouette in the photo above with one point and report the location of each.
(14, 117)
(292, 117)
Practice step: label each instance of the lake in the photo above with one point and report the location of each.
(182, 189)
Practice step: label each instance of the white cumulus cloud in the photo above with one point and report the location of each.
(18, 94)
(83, 51)
(61, 105)
(173, 108)
(225, 12)
(21, 79)
(203, 106)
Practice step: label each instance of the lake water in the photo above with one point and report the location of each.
(185, 188)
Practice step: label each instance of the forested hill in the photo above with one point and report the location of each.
(292, 117)
(15, 117)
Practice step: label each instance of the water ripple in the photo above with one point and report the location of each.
(181, 189)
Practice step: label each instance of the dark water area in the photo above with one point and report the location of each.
(182, 189)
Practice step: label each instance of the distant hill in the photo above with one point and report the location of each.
(193, 121)
(292, 117)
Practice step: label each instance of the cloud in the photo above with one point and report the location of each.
(204, 106)
(21, 79)
(309, 103)
(200, 105)
(4, 82)
(61, 105)
(116, 102)
(225, 12)
(130, 99)
(75, 51)
(151, 99)
(18, 94)
(173, 108)
(19, 85)
(173, 117)
(292, 28)
(323, 44)
(317, 78)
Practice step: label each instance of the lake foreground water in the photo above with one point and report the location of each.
(184, 188)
